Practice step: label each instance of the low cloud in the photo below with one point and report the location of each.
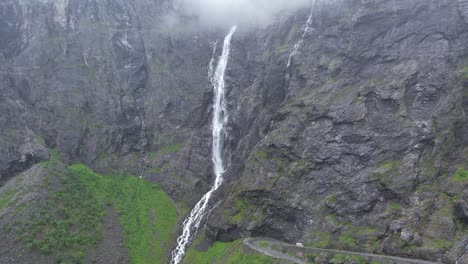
(244, 12)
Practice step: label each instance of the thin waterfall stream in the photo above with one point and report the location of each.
(305, 31)
(220, 118)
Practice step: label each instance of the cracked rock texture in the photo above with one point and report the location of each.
(354, 145)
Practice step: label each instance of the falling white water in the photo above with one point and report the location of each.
(220, 118)
(462, 255)
(212, 62)
(305, 31)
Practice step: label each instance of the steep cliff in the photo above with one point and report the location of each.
(360, 143)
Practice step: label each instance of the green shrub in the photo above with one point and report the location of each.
(5, 198)
(165, 150)
(281, 49)
(440, 244)
(461, 175)
(170, 149)
(394, 206)
(390, 165)
(262, 154)
(338, 259)
(465, 72)
(264, 244)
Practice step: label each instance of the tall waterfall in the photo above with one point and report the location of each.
(220, 118)
(305, 30)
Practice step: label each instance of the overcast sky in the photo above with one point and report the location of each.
(230, 12)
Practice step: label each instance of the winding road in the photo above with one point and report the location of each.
(254, 243)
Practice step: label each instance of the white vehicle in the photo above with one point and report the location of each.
(299, 245)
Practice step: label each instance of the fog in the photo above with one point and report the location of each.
(230, 12)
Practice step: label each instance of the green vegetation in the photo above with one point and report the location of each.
(20, 207)
(312, 256)
(5, 198)
(146, 213)
(264, 244)
(320, 244)
(159, 169)
(461, 175)
(465, 72)
(299, 167)
(357, 259)
(7, 195)
(439, 244)
(438, 219)
(261, 154)
(347, 241)
(332, 199)
(390, 165)
(240, 214)
(156, 169)
(225, 253)
(409, 248)
(428, 168)
(39, 139)
(447, 209)
(84, 66)
(394, 206)
(342, 258)
(384, 170)
(245, 210)
(323, 239)
(338, 258)
(169, 149)
(353, 236)
(237, 217)
(158, 66)
(280, 164)
(357, 99)
(365, 231)
(332, 218)
(281, 49)
(69, 221)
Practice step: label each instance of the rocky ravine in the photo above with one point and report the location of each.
(357, 141)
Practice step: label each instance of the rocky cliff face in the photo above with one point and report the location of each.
(355, 144)
(366, 130)
(101, 82)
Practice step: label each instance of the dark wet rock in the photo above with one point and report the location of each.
(461, 211)
(365, 129)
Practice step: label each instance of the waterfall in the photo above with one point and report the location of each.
(220, 118)
(305, 30)
(463, 253)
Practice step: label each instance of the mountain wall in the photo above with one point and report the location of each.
(361, 142)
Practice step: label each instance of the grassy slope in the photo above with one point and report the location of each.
(147, 215)
(225, 253)
(7, 195)
(69, 221)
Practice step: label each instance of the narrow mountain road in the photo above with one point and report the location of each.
(254, 243)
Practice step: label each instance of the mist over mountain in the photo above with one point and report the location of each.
(244, 12)
(157, 131)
